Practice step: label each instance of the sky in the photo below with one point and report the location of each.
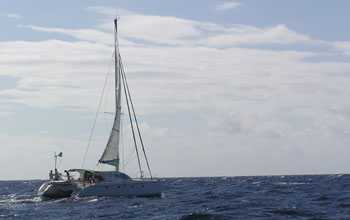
(221, 88)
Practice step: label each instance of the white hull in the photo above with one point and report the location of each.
(56, 189)
(124, 188)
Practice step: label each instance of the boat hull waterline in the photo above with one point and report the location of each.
(56, 189)
(139, 188)
(65, 189)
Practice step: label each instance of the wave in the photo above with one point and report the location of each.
(203, 216)
(16, 200)
(291, 212)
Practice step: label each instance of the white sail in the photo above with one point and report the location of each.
(111, 152)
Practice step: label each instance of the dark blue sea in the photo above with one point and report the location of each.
(259, 197)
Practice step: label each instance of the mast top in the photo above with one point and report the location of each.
(116, 18)
(116, 23)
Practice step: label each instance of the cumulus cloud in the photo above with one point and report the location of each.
(156, 30)
(82, 34)
(172, 31)
(227, 6)
(249, 35)
(263, 104)
(49, 71)
(187, 63)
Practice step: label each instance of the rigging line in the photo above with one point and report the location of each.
(129, 157)
(128, 162)
(122, 142)
(105, 104)
(130, 118)
(133, 110)
(98, 109)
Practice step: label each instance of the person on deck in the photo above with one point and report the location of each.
(51, 175)
(57, 175)
(68, 176)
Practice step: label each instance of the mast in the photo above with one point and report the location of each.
(117, 82)
(55, 156)
(111, 153)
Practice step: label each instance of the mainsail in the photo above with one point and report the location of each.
(111, 153)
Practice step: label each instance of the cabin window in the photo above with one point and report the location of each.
(106, 187)
(132, 186)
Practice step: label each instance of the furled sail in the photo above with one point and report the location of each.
(111, 153)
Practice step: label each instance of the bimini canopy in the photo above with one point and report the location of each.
(82, 170)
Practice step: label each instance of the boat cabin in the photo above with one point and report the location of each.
(87, 175)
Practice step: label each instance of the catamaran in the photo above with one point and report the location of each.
(115, 183)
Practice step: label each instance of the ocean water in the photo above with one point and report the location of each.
(264, 197)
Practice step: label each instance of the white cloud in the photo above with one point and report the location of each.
(178, 69)
(172, 31)
(2, 113)
(82, 34)
(155, 132)
(249, 35)
(179, 32)
(13, 15)
(149, 30)
(343, 47)
(49, 71)
(107, 11)
(227, 6)
(255, 105)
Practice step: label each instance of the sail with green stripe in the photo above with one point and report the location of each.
(111, 153)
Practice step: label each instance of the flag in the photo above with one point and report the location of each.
(60, 154)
